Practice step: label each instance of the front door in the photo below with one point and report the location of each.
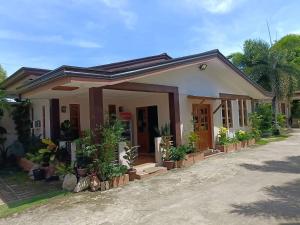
(147, 123)
(202, 125)
(75, 119)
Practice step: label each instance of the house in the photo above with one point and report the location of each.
(200, 92)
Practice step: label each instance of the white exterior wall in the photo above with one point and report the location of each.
(8, 123)
(37, 106)
(192, 81)
(131, 103)
(83, 100)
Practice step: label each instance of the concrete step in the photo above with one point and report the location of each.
(148, 170)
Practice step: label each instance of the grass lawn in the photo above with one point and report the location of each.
(264, 141)
(19, 206)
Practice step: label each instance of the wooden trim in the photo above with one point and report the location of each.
(174, 111)
(217, 109)
(54, 119)
(234, 96)
(65, 88)
(44, 121)
(131, 86)
(96, 107)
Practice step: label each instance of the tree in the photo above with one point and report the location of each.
(270, 67)
(2, 74)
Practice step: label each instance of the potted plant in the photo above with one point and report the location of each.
(178, 155)
(130, 157)
(242, 136)
(224, 142)
(165, 146)
(119, 176)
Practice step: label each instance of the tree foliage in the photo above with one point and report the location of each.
(2, 74)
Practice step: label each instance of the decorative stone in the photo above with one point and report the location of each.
(69, 183)
(94, 183)
(83, 184)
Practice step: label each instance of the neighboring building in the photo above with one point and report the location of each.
(148, 92)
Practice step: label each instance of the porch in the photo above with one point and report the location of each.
(143, 109)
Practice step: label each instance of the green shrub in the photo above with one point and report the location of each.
(177, 153)
(241, 135)
(265, 112)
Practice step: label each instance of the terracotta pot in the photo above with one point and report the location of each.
(251, 142)
(125, 179)
(226, 148)
(82, 172)
(189, 160)
(179, 164)
(238, 146)
(198, 156)
(169, 164)
(25, 164)
(244, 144)
(132, 174)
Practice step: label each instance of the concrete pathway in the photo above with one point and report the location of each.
(254, 186)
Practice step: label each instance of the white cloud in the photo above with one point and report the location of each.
(212, 6)
(121, 6)
(51, 39)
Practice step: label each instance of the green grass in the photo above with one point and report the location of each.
(20, 206)
(264, 141)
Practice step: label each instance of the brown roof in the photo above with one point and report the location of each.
(132, 64)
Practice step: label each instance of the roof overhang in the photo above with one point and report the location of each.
(68, 74)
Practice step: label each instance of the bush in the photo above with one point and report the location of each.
(265, 112)
(241, 135)
(223, 138)
(177, 153)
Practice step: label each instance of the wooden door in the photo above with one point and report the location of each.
(142, 129)
(75, 118)
(202, 125)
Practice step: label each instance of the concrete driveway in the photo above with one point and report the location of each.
(255, 186)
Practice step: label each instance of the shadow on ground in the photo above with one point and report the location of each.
(283, 203)
(291, 165)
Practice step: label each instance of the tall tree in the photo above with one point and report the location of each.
(2, 74)
(270, 67)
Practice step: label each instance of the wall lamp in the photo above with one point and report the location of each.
(202, 67)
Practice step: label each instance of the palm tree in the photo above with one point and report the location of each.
(268, 66)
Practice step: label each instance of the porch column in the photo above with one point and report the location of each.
(175, 116)
(54, 119)
(96, 107)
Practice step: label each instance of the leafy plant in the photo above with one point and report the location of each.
(118, 170)
(223, 138)
(131, 153)
(281, 119)
(177, 153)
(241, 135)
(64, 169)
(265, 112)
(193, 139)
(164, 130)
(21, 117)
(68, 132)
(165, 145)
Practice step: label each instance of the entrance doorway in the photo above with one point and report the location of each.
(147, 124)
(202, 125)
(75, 119)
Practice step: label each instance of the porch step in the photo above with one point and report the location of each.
(148, 170)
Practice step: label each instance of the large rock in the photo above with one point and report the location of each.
(69, 182)
(83, 184)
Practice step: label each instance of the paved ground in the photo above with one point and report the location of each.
(256, 186)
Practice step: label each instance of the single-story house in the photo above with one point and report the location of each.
(200, 92)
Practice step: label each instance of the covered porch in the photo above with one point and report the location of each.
(143, 109)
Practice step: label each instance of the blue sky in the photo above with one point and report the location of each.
(47, 34)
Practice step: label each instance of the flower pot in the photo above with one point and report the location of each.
(125, 179)
(251, 141)
(226, 148)
(81, 172)
(198, 156)
(94, 182)
(179, 164)
(189, 159)
(238, 146)
(25, 164)
(244, 144)
(132, 174)
(169, 164)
